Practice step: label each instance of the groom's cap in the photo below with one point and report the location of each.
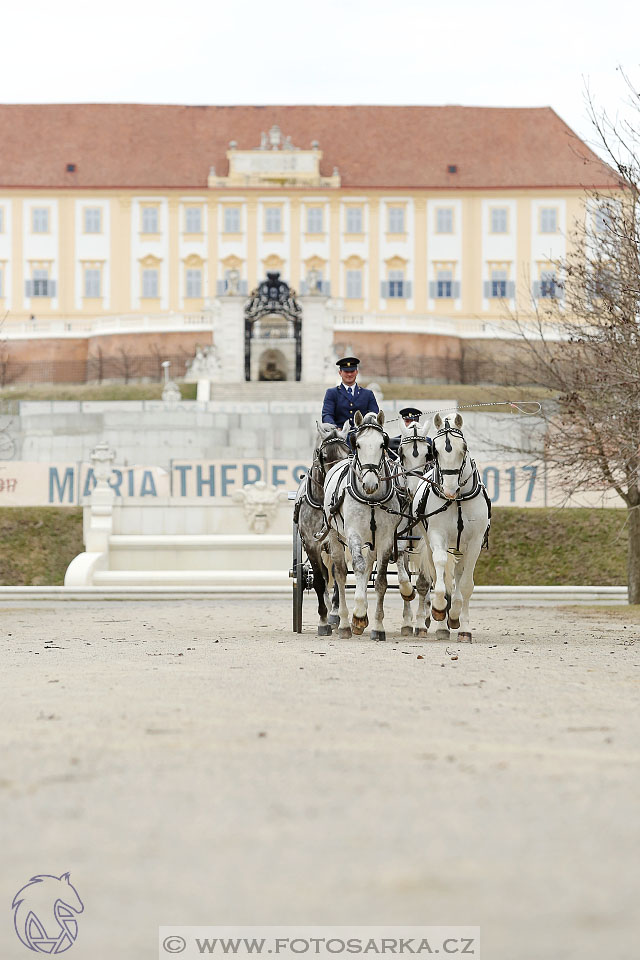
(348, 363)
(410, 413)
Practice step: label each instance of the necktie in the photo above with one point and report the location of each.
(349, 391)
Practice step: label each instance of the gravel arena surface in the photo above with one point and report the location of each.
(198, 763)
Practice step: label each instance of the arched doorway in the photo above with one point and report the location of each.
(272, 313)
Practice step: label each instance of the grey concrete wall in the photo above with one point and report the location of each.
(151, 433)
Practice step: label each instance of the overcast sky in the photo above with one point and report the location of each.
(492, 53)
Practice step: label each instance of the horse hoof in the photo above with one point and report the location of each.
(421, 632)
(324, 630)
(438, 614)
(453, 623)
(442, 634)
(359, 623)
(405, 631)
(409, 597)
(464, 637)
(344, 633)
(333, 619)
(378, 635)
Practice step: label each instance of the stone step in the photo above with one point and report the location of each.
(197, 554)
(263, 390)
(276, 580)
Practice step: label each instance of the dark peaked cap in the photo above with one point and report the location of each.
(348, 363)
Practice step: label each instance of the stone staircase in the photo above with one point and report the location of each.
(282, 390)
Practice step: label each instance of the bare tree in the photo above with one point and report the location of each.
(126, 364)
(582, 341)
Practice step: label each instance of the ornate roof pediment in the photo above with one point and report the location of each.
(276, 162)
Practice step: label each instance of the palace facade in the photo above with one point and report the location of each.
(418, 226)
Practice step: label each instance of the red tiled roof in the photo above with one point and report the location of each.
(136, 145)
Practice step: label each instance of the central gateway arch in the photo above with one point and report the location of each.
(273, 332)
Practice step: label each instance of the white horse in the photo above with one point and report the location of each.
(414, 454)
(363, 510)
(455, 514)
(330, 447)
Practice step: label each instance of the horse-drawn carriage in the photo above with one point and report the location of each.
(427, 512)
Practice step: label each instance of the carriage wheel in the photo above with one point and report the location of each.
(298, 575)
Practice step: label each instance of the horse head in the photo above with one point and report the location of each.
(370, 445)
(415, 448)
(450, 455)
(331, 445)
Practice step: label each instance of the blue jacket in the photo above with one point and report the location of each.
(337, 408)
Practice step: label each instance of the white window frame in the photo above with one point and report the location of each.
(40, 219)
(353, 282)
(150, 219)
(193, 219)
(396, 281)
(150, 283)
(231, 220)
(92, 283)
(92, 220)
(499, 280)
(354, 218)
(499, 220)
(315, 219)
(273, 219)
(396, 219)
(548, 216)
(444, 283)
(444, 220)
(193, 283)
(40, 275)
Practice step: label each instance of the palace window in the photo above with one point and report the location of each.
(150, 220)
(40, 285)
(603, 219)
(444, 220)
(92, 220)
(273, 220)
(444, 284)
(231, 222)
(40, 220)
(193, 220)
(548, 287)
(498, 284)
(396, 283)
(194, 283)
(499, 220)
(92, 282)
(150, 283)
(548, 220)
(396, 219)
(354, 284)
(314, 219)
(354, 220)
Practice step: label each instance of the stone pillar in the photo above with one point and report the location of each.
(228, 337)
(99, 524)
(318, 365)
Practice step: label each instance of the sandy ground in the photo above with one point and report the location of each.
(197, 763)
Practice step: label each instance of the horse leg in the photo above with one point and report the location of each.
(339, 564)
(465, 585)
(407, 613)
(332, 588)
(377, 631)
(361, 570)
(423, 586)
(439, 601)
(320, 587)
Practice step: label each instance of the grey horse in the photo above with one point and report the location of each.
(330, 448)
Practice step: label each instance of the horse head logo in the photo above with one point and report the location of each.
(44, 913)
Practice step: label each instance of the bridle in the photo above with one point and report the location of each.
(415, 439)
(320, 454)
(360, 468)
(447, 431)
